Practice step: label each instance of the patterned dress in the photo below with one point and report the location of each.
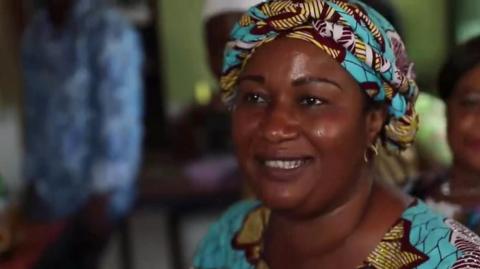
(419, 239)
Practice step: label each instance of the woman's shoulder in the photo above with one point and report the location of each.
(216, 249)
(444, 242)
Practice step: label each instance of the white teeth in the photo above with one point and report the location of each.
(288, 165)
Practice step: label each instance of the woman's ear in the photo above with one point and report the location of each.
(375, 119)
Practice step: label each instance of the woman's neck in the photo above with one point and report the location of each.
(307, 238)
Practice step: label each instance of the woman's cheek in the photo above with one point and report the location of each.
(458, 124)
(245, 128)
(326, 126)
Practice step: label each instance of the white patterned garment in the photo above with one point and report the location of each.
(467, 242)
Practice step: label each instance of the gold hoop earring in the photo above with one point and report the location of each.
(373, 148)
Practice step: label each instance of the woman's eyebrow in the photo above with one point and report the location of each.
(255, 78)
(308, 80)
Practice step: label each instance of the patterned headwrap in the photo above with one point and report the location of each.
(355, 35)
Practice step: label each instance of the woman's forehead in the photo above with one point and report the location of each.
(293, 60)
(289, 52)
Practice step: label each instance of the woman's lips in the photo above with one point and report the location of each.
(283, 168)
(284, 164)
(473, 144)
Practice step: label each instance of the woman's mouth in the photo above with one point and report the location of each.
(473, 144)
(283, 168)
(284, 164)
(281, 164)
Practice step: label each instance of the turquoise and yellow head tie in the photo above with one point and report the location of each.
(354, 34)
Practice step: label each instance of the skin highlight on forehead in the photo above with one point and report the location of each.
(298, 71)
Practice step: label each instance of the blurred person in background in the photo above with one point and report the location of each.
(202, 133)
(83, 108)
(456, 190)
(219, 16)
(205, 128)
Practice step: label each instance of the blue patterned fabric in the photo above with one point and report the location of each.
(83, 108)
(216, 250)
(431, 234)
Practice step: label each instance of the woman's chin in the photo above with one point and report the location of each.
(295, 201)
(280, 200)
(282, 195)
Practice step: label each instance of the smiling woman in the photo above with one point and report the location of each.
(456, 191)
(313, 86)
(293, 122)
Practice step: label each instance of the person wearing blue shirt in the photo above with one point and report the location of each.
(83, 119)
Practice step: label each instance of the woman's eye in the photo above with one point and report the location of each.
(470, 101)
(311, 101)
(253, 98)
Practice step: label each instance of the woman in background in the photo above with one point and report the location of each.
(313, 85)
(456, 192)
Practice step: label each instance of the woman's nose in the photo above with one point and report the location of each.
(280, 125)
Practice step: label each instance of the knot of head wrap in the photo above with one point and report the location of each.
(355, 35)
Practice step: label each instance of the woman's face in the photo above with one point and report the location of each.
(464, 121)
(300, 127)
